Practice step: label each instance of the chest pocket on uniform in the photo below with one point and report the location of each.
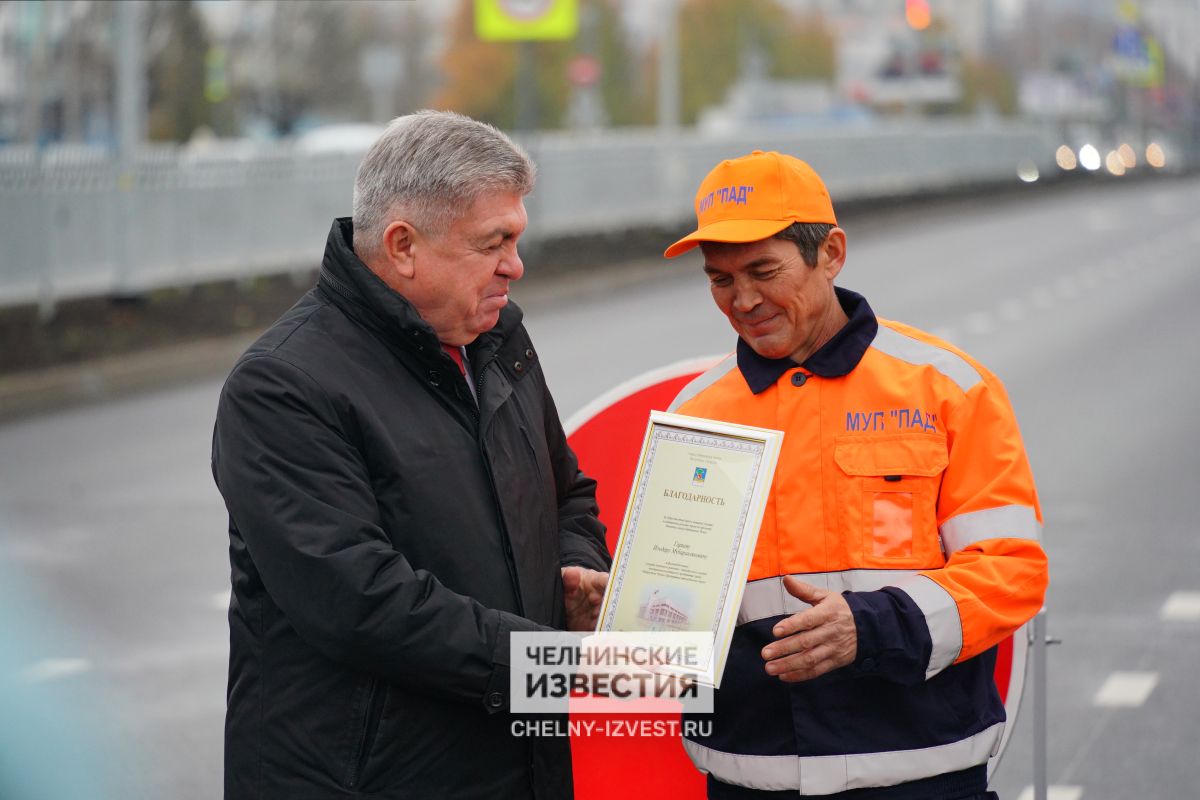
(888, 497)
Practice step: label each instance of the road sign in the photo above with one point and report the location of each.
(606, 435)
(526, 20)
(583, 71)
(1137, 58)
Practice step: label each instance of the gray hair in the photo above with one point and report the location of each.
(807, 236)
(430, 167)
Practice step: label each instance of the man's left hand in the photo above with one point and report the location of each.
(814, 641)
(583, 592)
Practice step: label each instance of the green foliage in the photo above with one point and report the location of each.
(718, 37)
(178, 43)
(623, 83)
(315, 48)
(480, 77)
(987, 83)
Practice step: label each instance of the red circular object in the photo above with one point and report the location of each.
(607, 436)
(583, 71)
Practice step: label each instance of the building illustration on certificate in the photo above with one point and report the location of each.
(663, 613)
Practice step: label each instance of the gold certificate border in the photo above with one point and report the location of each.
(764, 445)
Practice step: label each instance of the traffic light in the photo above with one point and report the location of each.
(216, 80)
(916, 13)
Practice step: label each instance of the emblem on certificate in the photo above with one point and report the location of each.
(691, 523)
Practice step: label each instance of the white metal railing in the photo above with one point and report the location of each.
(74, 224)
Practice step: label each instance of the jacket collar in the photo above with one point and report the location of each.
(835, 358)
(363, 296)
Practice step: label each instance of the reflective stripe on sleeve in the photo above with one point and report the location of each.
(914, 351)
(1005, 522)
(941, 616)
(818, 775)
(703, 381)
(768, 597)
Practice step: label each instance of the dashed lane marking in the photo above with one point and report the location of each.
(1054, 792)
(1099, 220)
(1067, 287)
(1012, 310)
(980, 323)
(1181, 606)
(1042, 297)
(1164, 204)
(52, 669)
(1126, 689)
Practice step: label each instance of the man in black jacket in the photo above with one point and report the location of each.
(401, 497)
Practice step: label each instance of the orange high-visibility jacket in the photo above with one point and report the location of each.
(902, 482)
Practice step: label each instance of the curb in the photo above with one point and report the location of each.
(40, 391)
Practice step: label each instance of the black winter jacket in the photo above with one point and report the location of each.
(386, 533)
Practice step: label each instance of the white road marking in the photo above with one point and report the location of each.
(1012, 310)
(220, 601)
(1164, 204)
(1042, 297)
(1182, 606)
(1067, 287)
(980, 323)
(51, 669)
(1126, 689)
(1054, 792)
(1101, 220)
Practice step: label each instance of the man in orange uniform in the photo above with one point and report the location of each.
(900, 543)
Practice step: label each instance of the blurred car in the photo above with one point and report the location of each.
(339, 138)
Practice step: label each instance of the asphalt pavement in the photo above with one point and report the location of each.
(112, 536)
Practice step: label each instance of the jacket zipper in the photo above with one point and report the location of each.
(509, 559)
(361, 752)
(338, 286)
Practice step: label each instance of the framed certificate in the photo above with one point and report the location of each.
(690, 527)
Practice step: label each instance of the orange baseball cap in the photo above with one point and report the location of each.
(753, 197)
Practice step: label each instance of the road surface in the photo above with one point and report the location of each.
(1083, 300)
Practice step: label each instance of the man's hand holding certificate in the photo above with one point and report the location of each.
(583, 592)
(689, 532)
